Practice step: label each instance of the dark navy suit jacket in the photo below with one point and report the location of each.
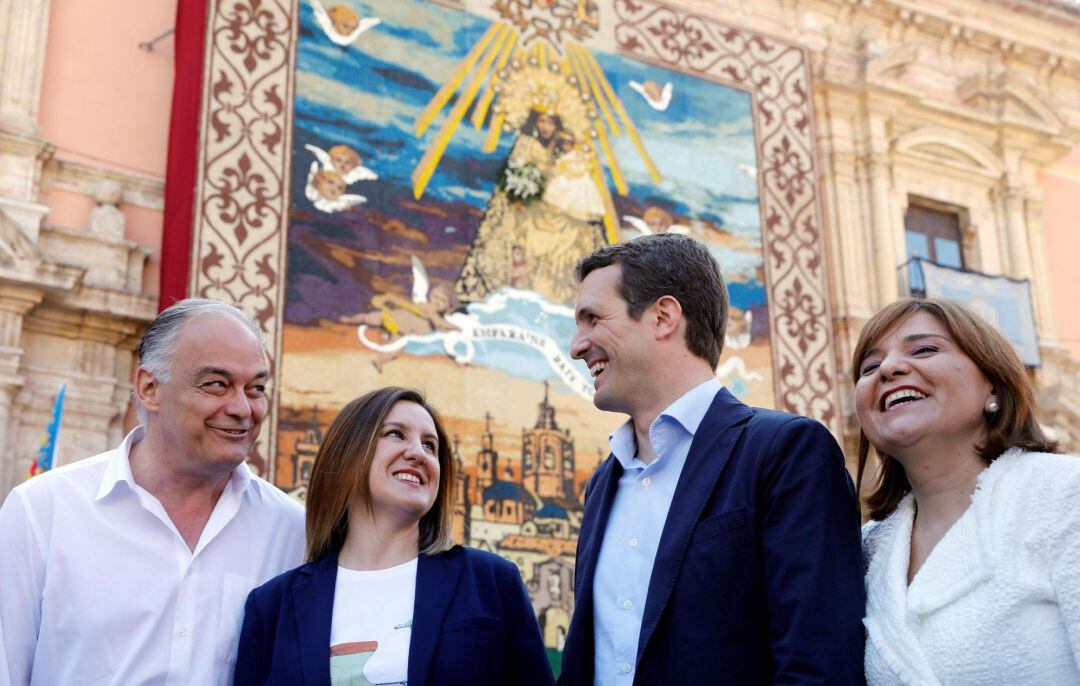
(758, 578)
(472, 624)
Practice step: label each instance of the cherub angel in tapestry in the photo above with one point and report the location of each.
(395, 317)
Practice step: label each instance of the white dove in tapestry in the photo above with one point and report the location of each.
(340, 23)
(345, 161)
(658, 97)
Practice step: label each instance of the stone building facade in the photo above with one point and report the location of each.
(72, 297)
(955, 107)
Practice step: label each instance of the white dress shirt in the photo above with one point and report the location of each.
(98, 587)
(998, 599)
(632, 536)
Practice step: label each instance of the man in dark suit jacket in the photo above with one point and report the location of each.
(720, 543)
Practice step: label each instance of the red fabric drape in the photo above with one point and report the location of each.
(180, 171)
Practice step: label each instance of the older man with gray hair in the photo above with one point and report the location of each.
(132, 567)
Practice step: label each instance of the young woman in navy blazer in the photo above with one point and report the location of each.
(387, 597)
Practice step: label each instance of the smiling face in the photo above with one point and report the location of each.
(403, 481)
(212, 406)
(329, 184)
(616, 347)
(916, 387)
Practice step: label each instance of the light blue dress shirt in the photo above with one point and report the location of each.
(632, 536)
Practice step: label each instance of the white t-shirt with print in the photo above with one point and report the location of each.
(372, 625)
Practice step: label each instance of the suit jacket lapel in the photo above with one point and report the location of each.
(313, 604)
(597, 509)
(436, 582)
(709, 452)
(602, 496)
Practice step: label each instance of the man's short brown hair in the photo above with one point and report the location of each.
(676, 265)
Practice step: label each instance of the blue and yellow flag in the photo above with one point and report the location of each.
(47, 451)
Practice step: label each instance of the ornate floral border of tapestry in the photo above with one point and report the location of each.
(777, 75)
(242, 189)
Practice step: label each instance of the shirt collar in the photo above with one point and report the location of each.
(688, 411)
(118, 468)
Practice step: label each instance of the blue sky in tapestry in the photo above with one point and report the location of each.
(367, 96)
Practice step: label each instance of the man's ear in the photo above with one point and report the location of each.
(668, 314)
(146, 388)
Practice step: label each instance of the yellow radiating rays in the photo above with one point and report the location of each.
(430, 160)
(598, 75)
(592, 89)
(439, 101)
(493, 61)
(481, 109)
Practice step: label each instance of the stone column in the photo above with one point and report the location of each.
(1016, 229)
(1040, 285)
(24, 25)
(15, 302)
(9, 476)
(886, 261)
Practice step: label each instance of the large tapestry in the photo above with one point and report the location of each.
(400, 189)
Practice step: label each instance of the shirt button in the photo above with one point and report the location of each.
(626, 668)
(633, 542)
(627, 605)
(646, 481)
(183, 632)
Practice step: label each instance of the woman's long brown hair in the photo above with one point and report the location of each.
(1013, 425)
(343, 464)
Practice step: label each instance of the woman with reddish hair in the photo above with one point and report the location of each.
(973, 544)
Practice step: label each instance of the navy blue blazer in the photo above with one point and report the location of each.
(472, 624)
(758, 577)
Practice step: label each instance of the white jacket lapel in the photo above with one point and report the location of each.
(887, 601)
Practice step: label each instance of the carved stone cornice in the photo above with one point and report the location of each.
(113, 305)
(109, 263)
(951, 57)
(43, 275)
(141, 190)
(984, 27)
(116, 331)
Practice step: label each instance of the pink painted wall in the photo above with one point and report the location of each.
(1061, 220)
(105, 102)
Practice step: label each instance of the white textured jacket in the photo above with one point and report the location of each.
(998, 599)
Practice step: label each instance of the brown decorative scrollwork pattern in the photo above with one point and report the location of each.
(552, 20)
(242, 190)
(777, 76)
